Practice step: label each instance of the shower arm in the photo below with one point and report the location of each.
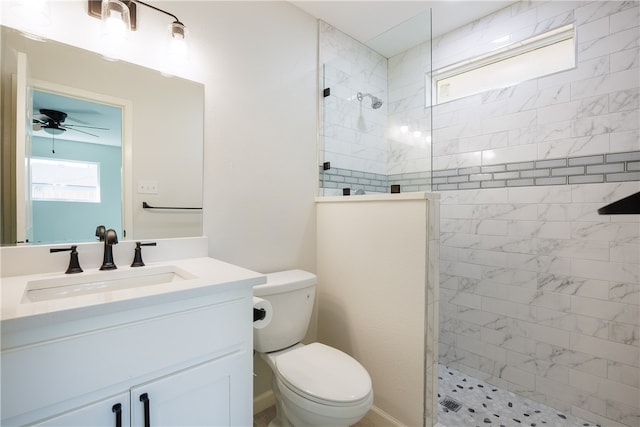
(361, 95)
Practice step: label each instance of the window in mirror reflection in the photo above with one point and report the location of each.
(65, 180)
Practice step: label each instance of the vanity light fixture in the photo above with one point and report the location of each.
(125, 10)
(116, 18)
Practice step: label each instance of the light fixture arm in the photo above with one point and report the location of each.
(159, 10)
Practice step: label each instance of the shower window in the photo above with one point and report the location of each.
(537, 56)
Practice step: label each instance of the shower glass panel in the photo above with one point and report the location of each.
(375, 114)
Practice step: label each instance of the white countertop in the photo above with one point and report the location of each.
(211, 275)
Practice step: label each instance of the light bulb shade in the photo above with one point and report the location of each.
(177, 30)
(178, 49)
(116, 18)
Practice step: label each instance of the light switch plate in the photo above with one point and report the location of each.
(147, 187)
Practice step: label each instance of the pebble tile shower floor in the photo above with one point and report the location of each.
(484, 405)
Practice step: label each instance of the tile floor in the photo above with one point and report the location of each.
(485, 405)
(262, 419)
(481, 405)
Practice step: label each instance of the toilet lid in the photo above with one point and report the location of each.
(324, 373)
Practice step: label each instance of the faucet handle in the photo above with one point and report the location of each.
(74, 263)
(100, 230)
(137, 257)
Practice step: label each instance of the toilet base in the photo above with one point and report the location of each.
(288, 414)
(280, 420)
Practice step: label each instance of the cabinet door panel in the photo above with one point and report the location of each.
(198, 396)
(98, 414)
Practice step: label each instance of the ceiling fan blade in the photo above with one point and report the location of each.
(37, 125)
(81, 131)
(83, 126)
(84, 120)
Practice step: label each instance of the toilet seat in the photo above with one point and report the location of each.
(324, 375)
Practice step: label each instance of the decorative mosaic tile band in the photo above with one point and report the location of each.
(414, 181)
(355, 180)
(613, 167)
(600, 168)
(372, 182)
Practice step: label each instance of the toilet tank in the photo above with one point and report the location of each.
(291, 294)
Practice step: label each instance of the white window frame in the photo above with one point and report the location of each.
(529, 46)
(64, 192)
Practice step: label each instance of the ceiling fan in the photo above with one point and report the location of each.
(52, 121)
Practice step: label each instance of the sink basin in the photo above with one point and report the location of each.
(103, 281)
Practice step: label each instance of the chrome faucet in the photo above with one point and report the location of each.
(110, 239)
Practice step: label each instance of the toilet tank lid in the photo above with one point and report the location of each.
(285, 281)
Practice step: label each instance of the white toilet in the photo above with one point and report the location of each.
(314, 385)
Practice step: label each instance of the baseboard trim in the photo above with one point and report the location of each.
(375, 416)
(378, 417)
(263, 401)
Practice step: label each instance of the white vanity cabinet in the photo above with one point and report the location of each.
(182, 358)
(113, 411)
(197, 396)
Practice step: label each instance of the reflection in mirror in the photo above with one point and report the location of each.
(75, 164)
(162, 138)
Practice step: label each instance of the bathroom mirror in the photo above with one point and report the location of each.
(162, 131)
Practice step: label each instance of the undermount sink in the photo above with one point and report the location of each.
(103, 281)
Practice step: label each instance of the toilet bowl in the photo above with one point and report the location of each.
(314, 384)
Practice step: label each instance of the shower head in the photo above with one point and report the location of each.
(375, 101)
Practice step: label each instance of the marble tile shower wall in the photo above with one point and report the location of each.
(540, 294)
(353, 133)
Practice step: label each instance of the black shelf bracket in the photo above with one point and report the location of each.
(627, 206)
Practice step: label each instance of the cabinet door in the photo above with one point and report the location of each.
(197, 396)
(104, 413)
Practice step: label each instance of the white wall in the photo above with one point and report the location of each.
(257, 61)
(260, 134)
